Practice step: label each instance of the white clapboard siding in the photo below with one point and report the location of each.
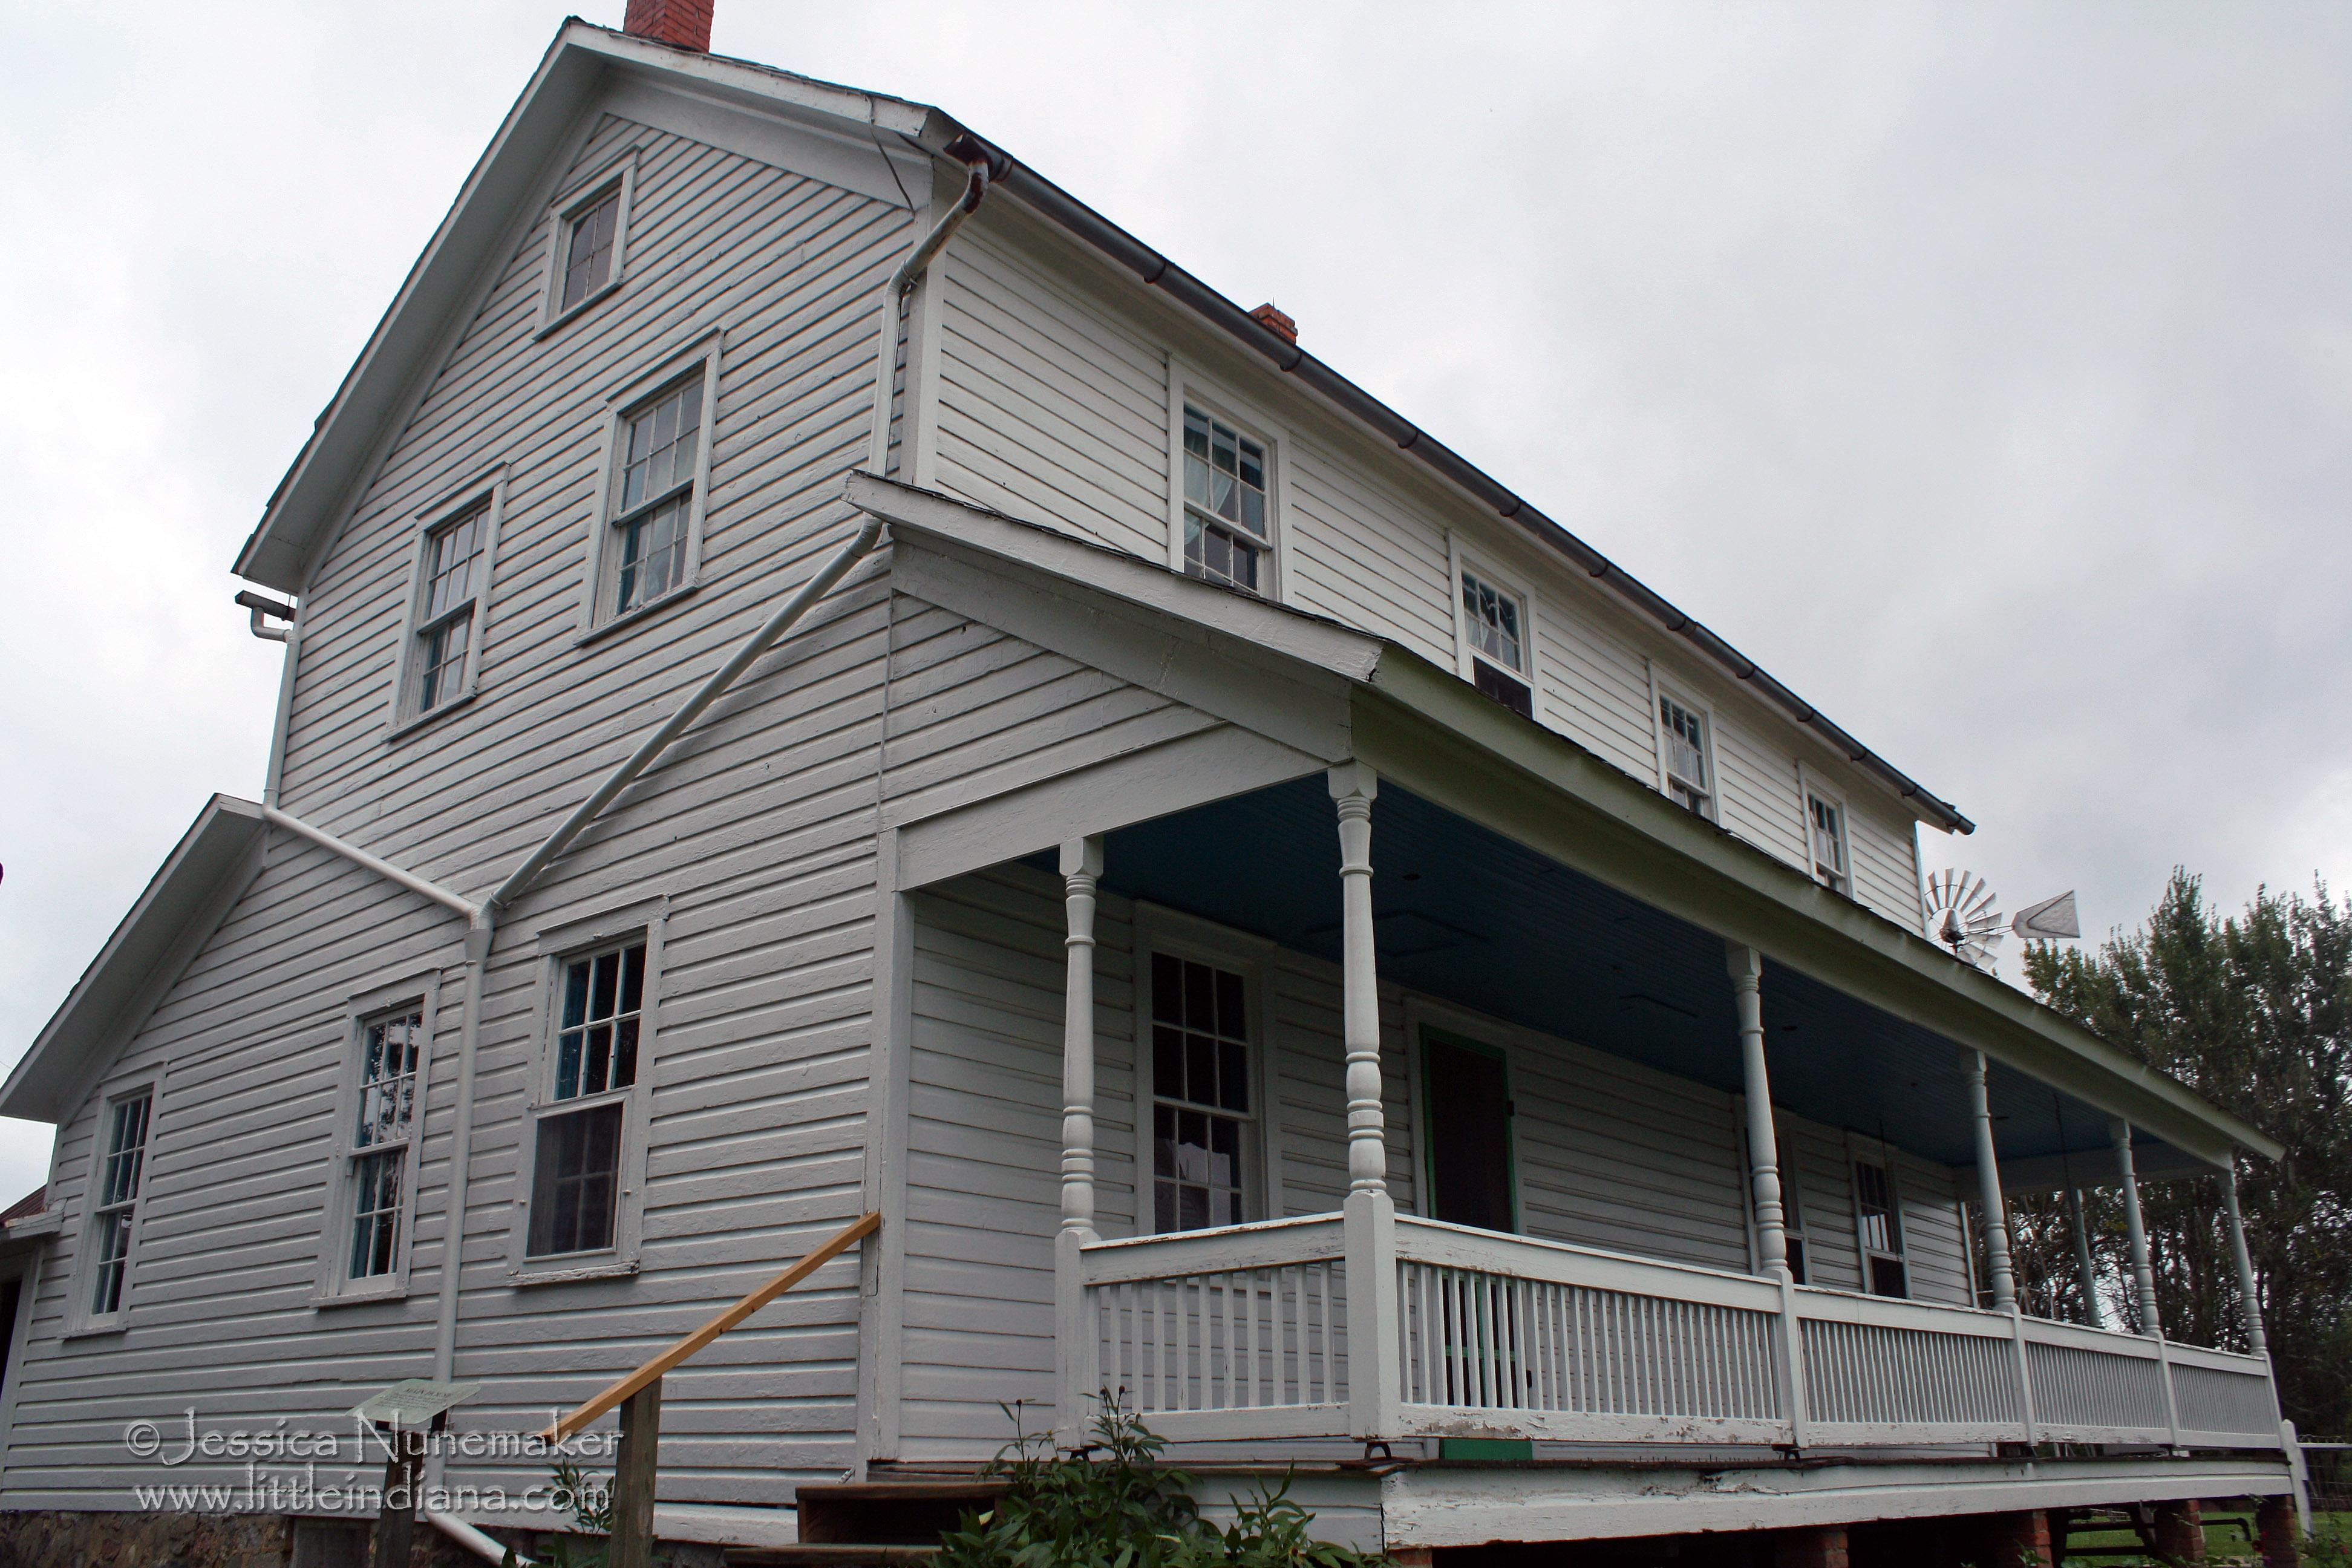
(1051, 405)
(1883, 843)
(759, 827)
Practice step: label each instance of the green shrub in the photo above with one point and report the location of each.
(1112, 1505)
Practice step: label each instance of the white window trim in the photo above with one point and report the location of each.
(1188, 384)
(1160, 929)
(1662, 685)
(333, 1286)
(487, 491)
(1809, 784)
(556, 944)
(1459, 559)
(674, 367)
(563, 212)
(80, 1319)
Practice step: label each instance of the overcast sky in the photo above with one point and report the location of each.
(1985, 374)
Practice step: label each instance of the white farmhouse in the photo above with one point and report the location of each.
(823, 677)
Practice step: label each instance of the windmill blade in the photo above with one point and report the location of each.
(2051, 918)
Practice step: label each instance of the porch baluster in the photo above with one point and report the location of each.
(2249, 1303)
(1996, 1217)
(1076, 1334)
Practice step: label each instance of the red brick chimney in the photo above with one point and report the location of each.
(1274, 321)
(685, 22)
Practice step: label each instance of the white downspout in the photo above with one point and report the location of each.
(894, 295)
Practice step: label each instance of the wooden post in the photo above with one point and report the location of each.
(2092, 1313)
(1353, 786)
(1763, 1146)
(633, 1479)
(1075, 1347)
(395, 1519)
(2250, 1306)
(1375, 1372)
(2135, 1227)
(1996, 1216)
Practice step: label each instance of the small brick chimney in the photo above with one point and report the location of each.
(685, 22)
(1274, 321)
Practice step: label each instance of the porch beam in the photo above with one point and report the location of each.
(1077, 1381)
(2136, 1228)
(2250, 1307)
(1996, 1217)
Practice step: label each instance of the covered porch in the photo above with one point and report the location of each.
(1454, 1322)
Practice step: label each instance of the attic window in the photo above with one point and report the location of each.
(1684, 755)
(1827, 819)
(588, 249)
(1227, 532)
(1494, 624)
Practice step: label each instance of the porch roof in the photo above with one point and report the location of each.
(1560, 866)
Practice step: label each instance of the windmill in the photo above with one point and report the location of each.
(1962, 915)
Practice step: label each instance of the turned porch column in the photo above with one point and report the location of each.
(1375, 1370)
(1075, 1346)
(1763, 1146)
(2092, 1313)
(1996, 1214)
(2136, 1228)
(2250, 1304)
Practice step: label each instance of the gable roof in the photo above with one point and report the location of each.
(484, 224)
(185, 902)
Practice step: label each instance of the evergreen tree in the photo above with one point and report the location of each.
(2255, 1013)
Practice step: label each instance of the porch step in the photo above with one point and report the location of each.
(890, 1513)
(836, 1555)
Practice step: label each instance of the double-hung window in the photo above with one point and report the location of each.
(592, 237)
(576, 1180)
(1685, 757)
(377, 1158)
(114, 1207)
(650, 544)
(1228, 534)
(1826, 820)
(1878, 1228)
(1202, 1109)
(449, 596)
(1494, 622)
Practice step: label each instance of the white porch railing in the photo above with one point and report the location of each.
(1374, 1325)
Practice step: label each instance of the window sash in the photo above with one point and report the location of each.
(121, 1173)
(600, 1022)
(596, 222)
(379, 1203)
(391, 1049)
(575, 1199)
(1829, 838)
(1495, 622)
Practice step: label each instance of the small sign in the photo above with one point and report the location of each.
(415, 1402)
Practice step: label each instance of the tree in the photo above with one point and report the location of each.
(2255, 1013)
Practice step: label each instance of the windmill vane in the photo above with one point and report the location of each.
(1963, 916)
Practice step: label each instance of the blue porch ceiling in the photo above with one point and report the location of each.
(1468, 915)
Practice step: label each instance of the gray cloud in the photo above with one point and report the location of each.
(1985, 373)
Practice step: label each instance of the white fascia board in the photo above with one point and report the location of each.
(1309, 638)
(215, 860)
(1429, 731)
(474, 235)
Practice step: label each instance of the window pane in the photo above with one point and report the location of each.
(1167, 1063)
(576, 1181)
(1232, 1017)
(1167, 989)
(375, 1213)
(588, 254)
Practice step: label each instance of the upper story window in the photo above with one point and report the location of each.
(1228, 537)
(1686, 756)
(576, 1181)
(377, 1156)
(122, 1171)
(649, 546)
(453, 559)
(1826, 820)
(1495, 623)
(591, 245)
(1201, 1104)
(1878, 1227)
(588, 249)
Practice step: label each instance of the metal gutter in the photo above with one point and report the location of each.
(1156, 271)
